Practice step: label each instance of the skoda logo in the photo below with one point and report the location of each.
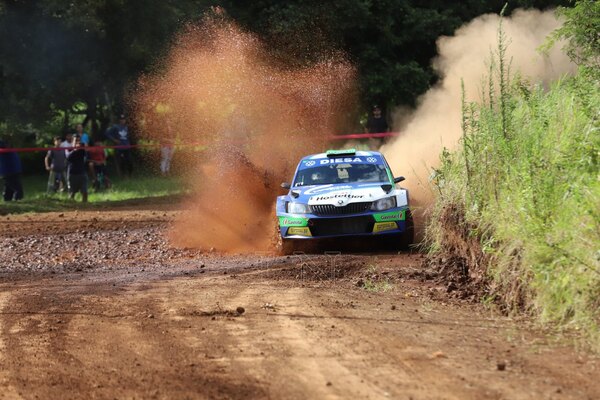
(340, 202)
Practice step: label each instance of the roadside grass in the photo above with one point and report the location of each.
(123, 190)
(375, 286)
(527, 184)
(375, 283)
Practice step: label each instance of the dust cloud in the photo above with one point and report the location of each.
(436, 123)
(221, 91)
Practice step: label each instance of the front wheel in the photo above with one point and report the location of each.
(283, 247)
(286, 247)
(408, 237)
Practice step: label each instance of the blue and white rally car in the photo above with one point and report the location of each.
(344, 193)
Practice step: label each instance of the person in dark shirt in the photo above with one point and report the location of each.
(77, 170)
(56, 164)
(376, 122)
(119, 134)
(10, 171)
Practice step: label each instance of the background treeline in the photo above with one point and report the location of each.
(64, 62)
(519, 204)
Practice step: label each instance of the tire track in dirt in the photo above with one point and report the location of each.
(281, 352)
(336, 355)
(156, 322)
(8, 390)
(115, 346)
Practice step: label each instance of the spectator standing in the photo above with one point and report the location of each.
(10, 171)
(68, 140)
(166, 156)
(85, 138)
(56, 164)
(97, 164)
(376, 122)
(77, 173)
(119, 134)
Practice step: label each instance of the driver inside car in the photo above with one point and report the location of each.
(317, 178)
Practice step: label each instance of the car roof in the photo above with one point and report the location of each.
(359, 153)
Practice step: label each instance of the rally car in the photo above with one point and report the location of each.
(341, 194)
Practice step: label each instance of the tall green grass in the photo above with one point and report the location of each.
(527, 179)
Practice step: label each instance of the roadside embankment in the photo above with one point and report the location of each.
(518, 204)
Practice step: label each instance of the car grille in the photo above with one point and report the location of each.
(352, 208)
(341, 226)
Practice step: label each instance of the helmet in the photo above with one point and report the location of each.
(318, 177)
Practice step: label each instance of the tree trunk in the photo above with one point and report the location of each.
(66, 122)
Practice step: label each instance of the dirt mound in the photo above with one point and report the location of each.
(460, 264)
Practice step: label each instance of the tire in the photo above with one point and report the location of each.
(283, 247)
(408, 236)
(286, 247)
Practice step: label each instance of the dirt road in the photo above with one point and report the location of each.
(97, 305)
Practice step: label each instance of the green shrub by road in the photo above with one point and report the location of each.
(525, 187)
(527, 184)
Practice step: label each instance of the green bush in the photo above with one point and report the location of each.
(527, 179)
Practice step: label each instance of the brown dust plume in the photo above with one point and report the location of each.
(254, 118)
(436, 123)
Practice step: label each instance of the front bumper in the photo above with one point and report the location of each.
(310, 226)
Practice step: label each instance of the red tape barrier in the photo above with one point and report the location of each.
(132, 146)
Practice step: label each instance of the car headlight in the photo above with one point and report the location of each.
(384, 204)
(298, 208)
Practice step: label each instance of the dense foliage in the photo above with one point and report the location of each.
(526, 183)
(64, 62)
(582, 32)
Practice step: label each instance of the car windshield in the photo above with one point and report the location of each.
(341, 173)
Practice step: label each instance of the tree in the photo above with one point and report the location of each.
(66, 58)
(79, 59)
(582, 32)
(391, 42)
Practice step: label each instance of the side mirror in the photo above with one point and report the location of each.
(286, 185)
(399, 179)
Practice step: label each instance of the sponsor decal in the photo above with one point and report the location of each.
(390, 216)
(346, 152)
(384, 226)
(325, 188)
(303, 231)
(343, 195)
(293, 221)
(371, 159)
(340, 160)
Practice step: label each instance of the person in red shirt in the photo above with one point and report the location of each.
(97, 165)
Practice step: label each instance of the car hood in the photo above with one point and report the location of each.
(340, 194)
